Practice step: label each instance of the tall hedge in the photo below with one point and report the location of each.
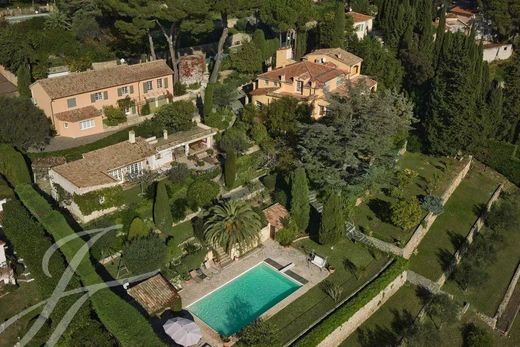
(162, 214)
(332, 222)
(300, 206)
(503, 157)
(119, 317)
(230, 169)
(13, 166)
(208, 99)
(347, 310)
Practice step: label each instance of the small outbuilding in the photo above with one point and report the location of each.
(155, 294)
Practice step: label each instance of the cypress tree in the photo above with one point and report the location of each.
(332, 221)
(300, 207)
(338, 40)
(162, 215)
(230, 168)
(301, 44)
(439, 38)
(24, 81)
(208, 99)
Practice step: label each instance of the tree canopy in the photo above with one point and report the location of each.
(176, 116)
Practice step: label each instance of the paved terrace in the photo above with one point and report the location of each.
(271, 249)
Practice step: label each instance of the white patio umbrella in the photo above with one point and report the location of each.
(183, 331)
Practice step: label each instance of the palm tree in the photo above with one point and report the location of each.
(233, 223)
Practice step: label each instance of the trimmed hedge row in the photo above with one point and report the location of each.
(13, 166)
(502, 157)
(119, 317)
(347, 310)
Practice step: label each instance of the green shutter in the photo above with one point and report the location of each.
(131, 89)
(144, 88)
(105, 95)
(119, 92)
(92, 98)
(165, 83)
(133, 110)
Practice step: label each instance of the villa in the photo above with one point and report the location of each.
(122, 162)
(74, 102)
(319, 72)
(362, 24)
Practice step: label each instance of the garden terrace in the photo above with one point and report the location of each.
(387, 325)
(452, 226)
(306, 310)
(434, 173)
(487, 297)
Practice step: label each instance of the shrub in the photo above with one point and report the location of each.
(99, 200)
(179, 172)
(475, 336)
(332, 223)
(13, 166)
(332, 289)
(194, 260)
(234, 139)
(145, 255)
(288, 233)
(269, 182)
(259, 133)
(406, 213)
(257, 334)
(433, 204)
(137, 229)
(201, 192)
(230, 169)
(178, 209)
(177, 116)
(177, 305)
(106, 246)
(280, 197)
(174, 251)
(179, 89)
(219, 119)
(500, 156)
(114, 115)
(345, 311)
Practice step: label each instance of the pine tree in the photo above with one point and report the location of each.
(162, 215)
(230, 169)
(332, 221)
(300, 207)
(24, 81)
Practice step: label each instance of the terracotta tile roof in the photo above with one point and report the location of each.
(462, 11)
(155, 294)
(315, 72)
(262, 91)
(275, 215)
(181, 137)
(356, 81)
(89, 81)
(495, 45)
(93, 169)
(359, 17)
(338, 54)
(78, 114)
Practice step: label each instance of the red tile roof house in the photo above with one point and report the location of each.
(117, 164)
(74, 103)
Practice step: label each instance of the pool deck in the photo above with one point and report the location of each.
(270, 249)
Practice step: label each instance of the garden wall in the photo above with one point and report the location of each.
(479, 223)
(8, 75)
(508, 294)
(423, 228)
(357, 319)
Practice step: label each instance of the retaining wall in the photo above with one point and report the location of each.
(343, 332)
(508, 294)
(479, 223)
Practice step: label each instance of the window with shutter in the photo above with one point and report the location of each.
(93, 97)
(166, 83)
(131, 89)
(159, 83)
(119, 91)
(105, 95)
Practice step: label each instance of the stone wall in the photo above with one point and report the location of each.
(479, 223)
(419, 280)
(342, 332)
(423, 228)
(509, 293)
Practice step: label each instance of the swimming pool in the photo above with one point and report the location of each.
(233, 306)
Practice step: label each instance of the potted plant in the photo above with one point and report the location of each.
(226, 340)
(331, 269)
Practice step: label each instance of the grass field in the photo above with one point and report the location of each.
(487, 297)
(305, 310)
(385, 326)
(434, 173)
(451, 227)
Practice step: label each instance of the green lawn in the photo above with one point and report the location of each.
(384, 327)
(15, 302)
(451, 227)
(487, 297)
(373, 215)
(305, 310)
(182, 232)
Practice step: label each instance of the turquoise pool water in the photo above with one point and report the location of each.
(238, 303)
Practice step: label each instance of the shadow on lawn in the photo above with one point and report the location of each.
(445, 259)
(457, 240)
(401, 325)
(381, 209)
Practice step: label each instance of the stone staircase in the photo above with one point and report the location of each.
(223, 258)
(313, 201)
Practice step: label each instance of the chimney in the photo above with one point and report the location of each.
(165, 134)
(284, 57)
(131, 136)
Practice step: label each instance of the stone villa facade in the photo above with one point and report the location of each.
(74, 102)
(319, 72)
